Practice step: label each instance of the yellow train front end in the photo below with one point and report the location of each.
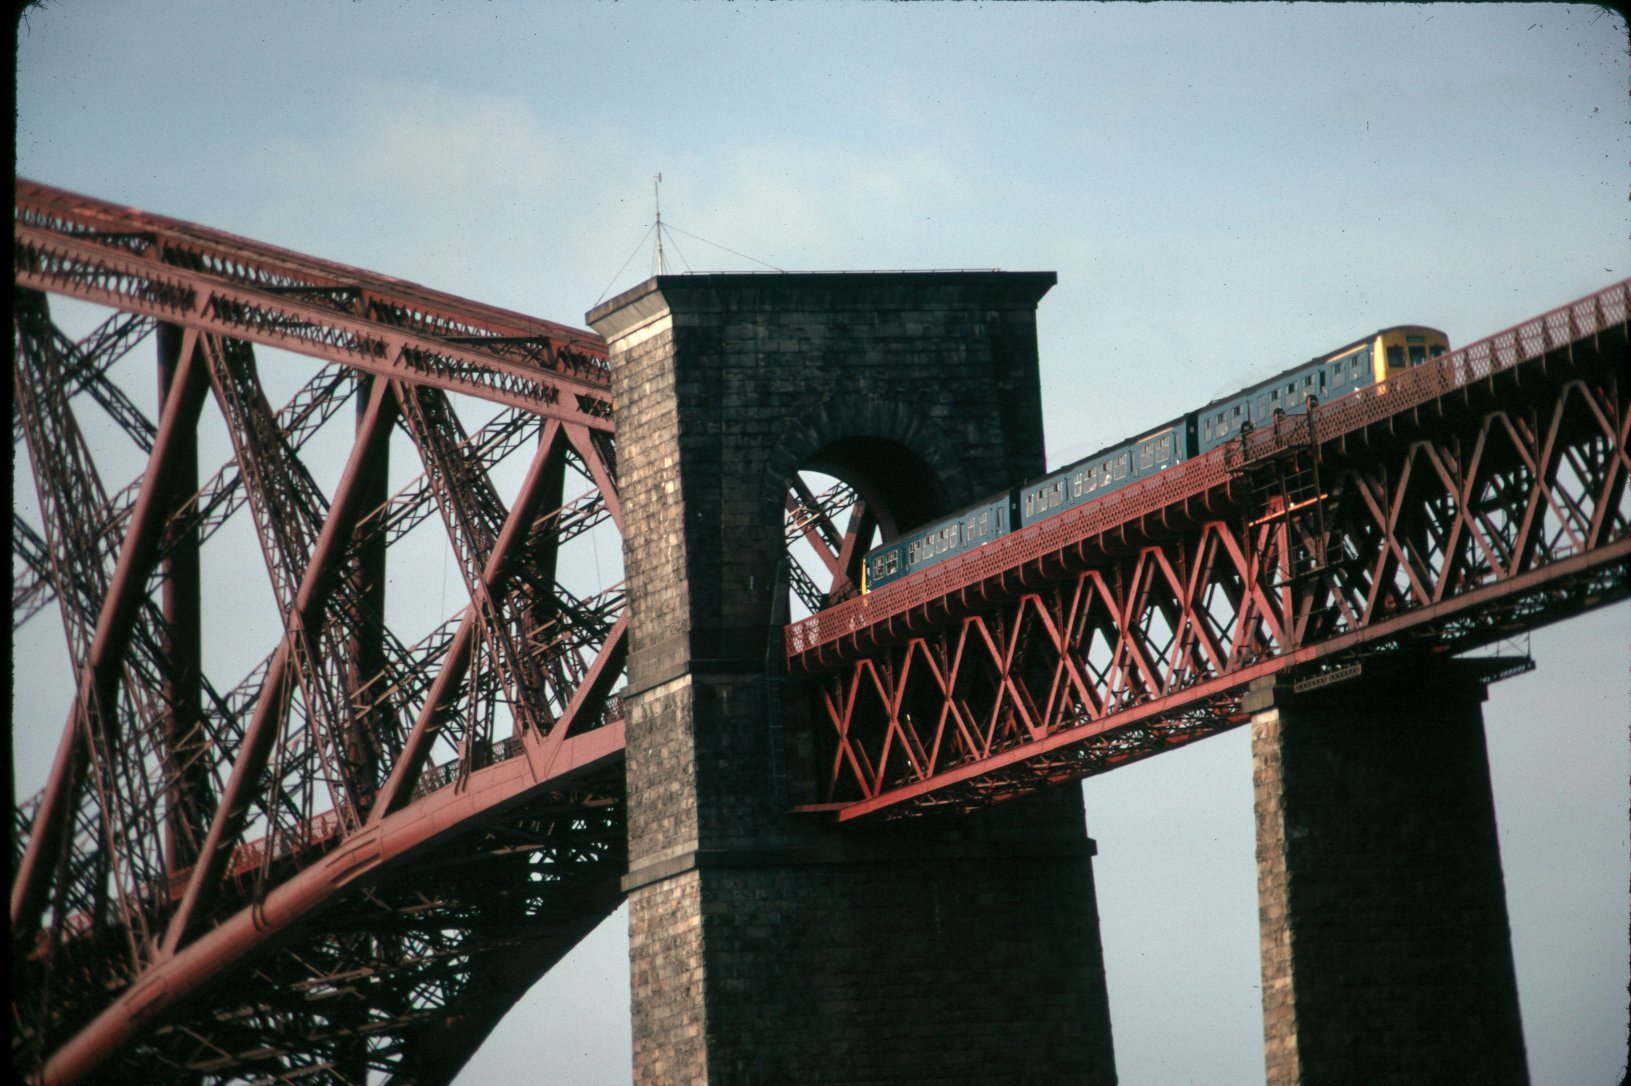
(1395, 350)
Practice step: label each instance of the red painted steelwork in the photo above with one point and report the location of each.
(214, 282)
(394, 840)
(1196, 482)
(1477, 496)
(362, 932)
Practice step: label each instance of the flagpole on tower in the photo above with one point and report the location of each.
(657, 196)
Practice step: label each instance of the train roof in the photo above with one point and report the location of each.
(1233, 396)
(1344, 349)
(1170, 424)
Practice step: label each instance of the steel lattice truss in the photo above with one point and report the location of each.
(812, 518)
(344, 863)
(1471, 500)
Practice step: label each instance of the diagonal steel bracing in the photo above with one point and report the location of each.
(1477, 497)
(213, 282)
(331, 868)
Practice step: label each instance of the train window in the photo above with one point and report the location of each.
(1395, 357)
(1438, 349)
(1418, 354)
(1121, 466)
(1146, 455)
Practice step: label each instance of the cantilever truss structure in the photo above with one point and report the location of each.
(346, 860)
(1481, 495)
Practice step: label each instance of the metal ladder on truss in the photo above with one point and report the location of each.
(1284, 487)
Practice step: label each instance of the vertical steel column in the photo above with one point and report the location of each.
(188, 792)
(366, 653)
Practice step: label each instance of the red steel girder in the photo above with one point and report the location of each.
(217, 283)
(410, 833)
(306, 606)
(364, 964)
(1461, 504)
(810, 517)
(94, 723)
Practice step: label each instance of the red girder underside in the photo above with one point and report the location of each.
(1478, 496)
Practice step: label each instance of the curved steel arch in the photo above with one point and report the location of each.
(339, 865)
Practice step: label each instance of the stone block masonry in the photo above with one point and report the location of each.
(772, 947)
(1385, 945)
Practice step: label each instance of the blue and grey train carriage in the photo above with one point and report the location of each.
(1367, 361)
(925, 546)
(1364, 362)
(1106, 471)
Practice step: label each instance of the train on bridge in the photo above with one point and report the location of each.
(1362, 363)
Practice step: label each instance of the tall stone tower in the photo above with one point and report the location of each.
(769, 946)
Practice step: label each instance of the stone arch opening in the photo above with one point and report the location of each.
(844, 496)
(898, 485)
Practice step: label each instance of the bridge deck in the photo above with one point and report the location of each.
(1480, 494)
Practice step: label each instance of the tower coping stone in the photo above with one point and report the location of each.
(619, 315)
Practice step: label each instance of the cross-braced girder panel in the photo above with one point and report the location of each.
(1482, 495)
(326, 827)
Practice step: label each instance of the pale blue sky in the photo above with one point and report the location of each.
(1222, 189)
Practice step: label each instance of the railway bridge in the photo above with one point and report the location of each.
(344, 856)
